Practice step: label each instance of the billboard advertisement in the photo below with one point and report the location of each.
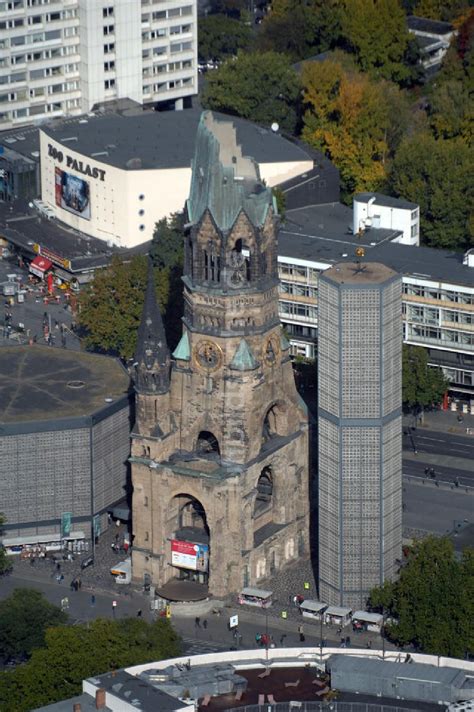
(72, 194)
(188, 555)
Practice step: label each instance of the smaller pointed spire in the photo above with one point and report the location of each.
(183, 351)
(244, 360)
(152, 356)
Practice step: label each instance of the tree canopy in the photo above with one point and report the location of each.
(423, 386)
(436, 174)
(354, 120)
(258, 86)
(221, 36)
(432, 603)
(24, 618)
(110, 307)
(73, 653)
(376, 33)
(301, 28)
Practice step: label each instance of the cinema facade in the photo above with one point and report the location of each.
(115, 184)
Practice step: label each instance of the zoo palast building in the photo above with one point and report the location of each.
(220, 444)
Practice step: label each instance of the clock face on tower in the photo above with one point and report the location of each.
(208, 355)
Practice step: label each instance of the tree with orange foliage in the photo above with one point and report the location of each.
(356, 122)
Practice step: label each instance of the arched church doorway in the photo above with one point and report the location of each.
(189, 548)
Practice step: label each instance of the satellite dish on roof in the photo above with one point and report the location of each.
(275, 127)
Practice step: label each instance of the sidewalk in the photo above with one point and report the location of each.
(445, 421)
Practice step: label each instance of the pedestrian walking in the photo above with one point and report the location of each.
(139, 613)
(92, 600)
(114, 606)
(197, 622)
(282, 638)
(204, 623)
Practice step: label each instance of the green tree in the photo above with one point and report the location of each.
(166, 249)
(432, 602)
(261, 87)
(300, 28)
(5, 564)
(423, 386)
(445, 10)
(24, 618)
(375, 31)
(110, 307)
(451, 109)
(73, 653)
(354, 120)
(221, 36)
(436, 174)
(166, 252)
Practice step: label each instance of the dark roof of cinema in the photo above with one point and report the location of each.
(38, 383)
(323, 234)
(424, 24)
(158, 139)
(24, 226)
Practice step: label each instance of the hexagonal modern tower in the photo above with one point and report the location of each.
(360, 430)
(220, 446)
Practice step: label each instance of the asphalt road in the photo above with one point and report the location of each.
(431, 509)
(197, 639)
(451, 475)
(436, 442)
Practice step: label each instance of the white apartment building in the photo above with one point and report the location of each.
(63, 57)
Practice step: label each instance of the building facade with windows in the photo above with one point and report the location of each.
(359, 430)
(437, 296)
(63, 57)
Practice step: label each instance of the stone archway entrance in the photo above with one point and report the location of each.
(188, 550)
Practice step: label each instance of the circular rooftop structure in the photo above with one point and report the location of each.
(44, 383)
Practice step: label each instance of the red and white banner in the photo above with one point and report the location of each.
(188, 555)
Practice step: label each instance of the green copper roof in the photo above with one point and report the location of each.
(182, 351)
(284, 343)
(244, 360)
(223, 181)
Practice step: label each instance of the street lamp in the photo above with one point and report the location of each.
(321, 638)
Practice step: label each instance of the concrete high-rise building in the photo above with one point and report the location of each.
(65, 56)
(360, 430)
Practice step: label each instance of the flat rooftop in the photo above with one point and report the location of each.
(359, 273)
(25, 226)
(44, 383)
(387, 201)
(137, 139)
(322, 234)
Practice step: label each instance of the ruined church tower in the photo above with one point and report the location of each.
(220, 445)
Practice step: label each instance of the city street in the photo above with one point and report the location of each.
(431, 509)
(439, 443)
(197, 639)
(451, 475)
(27, 318)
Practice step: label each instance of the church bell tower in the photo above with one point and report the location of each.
(220, 447)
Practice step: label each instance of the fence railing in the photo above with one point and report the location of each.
(323, 707)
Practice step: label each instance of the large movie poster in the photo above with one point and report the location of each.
(188, 555)
(73, 194)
